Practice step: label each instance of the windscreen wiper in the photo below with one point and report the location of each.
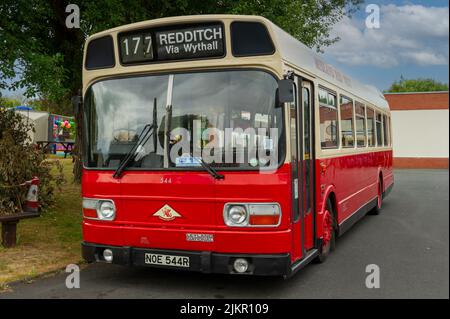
(146, 133)
(210, 169)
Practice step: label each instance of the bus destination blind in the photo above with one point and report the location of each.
(173, 44)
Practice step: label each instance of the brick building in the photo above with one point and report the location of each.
(420, 127)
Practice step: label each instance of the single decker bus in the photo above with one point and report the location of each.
(222, 144)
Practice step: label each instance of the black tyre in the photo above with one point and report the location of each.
(377, 209)
(329, 237)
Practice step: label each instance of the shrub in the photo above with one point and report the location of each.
(19, 162)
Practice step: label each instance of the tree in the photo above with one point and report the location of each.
(42, 104)
(37, 48)
(417, 85)
(9, 102)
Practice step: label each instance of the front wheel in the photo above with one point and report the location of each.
(329, 234)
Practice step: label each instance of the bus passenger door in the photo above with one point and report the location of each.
(302, 161)
(307, 164)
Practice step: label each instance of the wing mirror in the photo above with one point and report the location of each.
(285, 91)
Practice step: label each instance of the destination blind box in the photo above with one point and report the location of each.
(174, 43)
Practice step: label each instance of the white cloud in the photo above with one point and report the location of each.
(410, 34)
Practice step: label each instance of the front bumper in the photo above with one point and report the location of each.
(201, 261)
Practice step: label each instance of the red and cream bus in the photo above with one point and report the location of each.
(221, 144)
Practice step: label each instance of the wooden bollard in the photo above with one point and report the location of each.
(9, 227)
(9, 233)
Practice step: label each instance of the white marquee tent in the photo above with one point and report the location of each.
(40, 120)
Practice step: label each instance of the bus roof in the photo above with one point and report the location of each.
(295, 52)
(291, 51)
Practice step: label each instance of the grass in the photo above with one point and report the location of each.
(47, 243)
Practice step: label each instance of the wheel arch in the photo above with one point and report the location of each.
(380, 178)
(330, 192)
(332, 197)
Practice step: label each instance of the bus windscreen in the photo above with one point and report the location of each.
(228, 118)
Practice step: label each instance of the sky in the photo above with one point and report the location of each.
(412, 41)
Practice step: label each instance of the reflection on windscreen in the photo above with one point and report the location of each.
(229, 118)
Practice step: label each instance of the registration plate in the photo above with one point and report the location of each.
(166, 260)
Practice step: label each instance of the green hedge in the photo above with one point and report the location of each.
(19, 162)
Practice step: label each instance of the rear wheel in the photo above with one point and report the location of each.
(329, 234)
(377, 209)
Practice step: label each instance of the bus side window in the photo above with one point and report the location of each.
(371, 127)
(379, 127)
(346, 124)
(306, 124)
(360, 113)
(385, 131)
(389, 130)
(328, 119)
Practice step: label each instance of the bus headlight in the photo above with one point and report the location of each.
(236, 215)
(103, 209)
(106, 210)
(252, 214)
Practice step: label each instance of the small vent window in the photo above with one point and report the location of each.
(250, 38)
(100, 53)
